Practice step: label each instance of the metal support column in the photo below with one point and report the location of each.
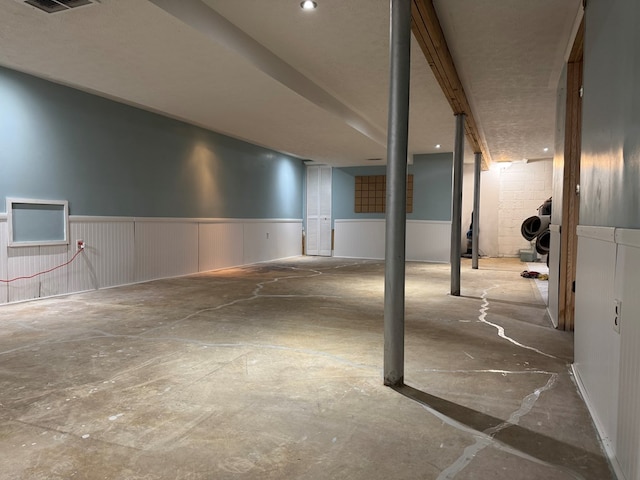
(456, 211)
(395, 229)
(476, 210)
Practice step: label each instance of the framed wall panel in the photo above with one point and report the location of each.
(371, 194)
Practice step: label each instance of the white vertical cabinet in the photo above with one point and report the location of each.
(318, 210)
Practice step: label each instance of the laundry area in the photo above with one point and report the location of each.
(274, 370)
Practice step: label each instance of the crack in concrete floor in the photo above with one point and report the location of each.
(459, 465)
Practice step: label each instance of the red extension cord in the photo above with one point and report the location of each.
(46, 271)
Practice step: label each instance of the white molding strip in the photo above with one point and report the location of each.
(604, 440)
(356, 220)
(555, 228)
(248, 220)
(628, 237)
(216, 220)
(3, 217)
(606, 234)
(431, 222)
(96, 218)
(621, 236)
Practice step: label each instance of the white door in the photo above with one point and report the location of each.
(318, 210)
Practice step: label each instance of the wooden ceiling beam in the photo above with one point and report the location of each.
(428, 32)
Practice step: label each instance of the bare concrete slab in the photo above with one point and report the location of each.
(275, 371)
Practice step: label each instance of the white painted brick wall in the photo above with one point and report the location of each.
(523, 188)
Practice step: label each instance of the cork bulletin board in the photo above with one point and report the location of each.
(371, 194)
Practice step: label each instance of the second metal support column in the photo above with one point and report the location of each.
(395, 229)
(456, 211)
(476, 210)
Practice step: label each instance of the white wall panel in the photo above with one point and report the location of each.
(597, 345)
(554, 274)
(122, 250)
(289, 239)
(108, 256)
(220, 245)
(165, 249)
(428, 241)
(264, 240)
(21, 262)
(27, 262)
(55, 282)
(258, 242)
(359, 238)
(628, 441)
(3, 260)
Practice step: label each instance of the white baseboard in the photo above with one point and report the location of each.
(604, 440)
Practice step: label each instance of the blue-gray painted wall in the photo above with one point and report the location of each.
(431, 188)
(34, 222)
(610, 164)
(106, 158)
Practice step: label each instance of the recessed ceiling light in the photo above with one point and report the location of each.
(545, 149)
(308, 5)
(438, 146)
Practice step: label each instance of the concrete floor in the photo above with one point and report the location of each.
(274, 371)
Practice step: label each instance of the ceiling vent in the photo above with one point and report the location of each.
(56, 6)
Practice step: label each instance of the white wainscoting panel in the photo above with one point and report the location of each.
(428, 241)
(3, 260)
(165, 249)
(124, 250)
(28, 261)
(597, 345)
(108, 256)
(268, 240)
(288, 239)
(220, 245)
(258, 242)
(22, 261)
(628, 443)
(55, 282)
(359, 238)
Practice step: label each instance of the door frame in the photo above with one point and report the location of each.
(571, 184)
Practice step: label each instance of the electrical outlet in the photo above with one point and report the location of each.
(80, 244)
(617, 315)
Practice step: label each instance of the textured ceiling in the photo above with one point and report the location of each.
(509, 55)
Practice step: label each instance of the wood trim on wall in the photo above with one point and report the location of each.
(571, 180)
(428, 32)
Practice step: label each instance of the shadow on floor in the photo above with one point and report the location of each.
(541, 447)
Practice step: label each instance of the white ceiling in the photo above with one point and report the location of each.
(509, 55)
